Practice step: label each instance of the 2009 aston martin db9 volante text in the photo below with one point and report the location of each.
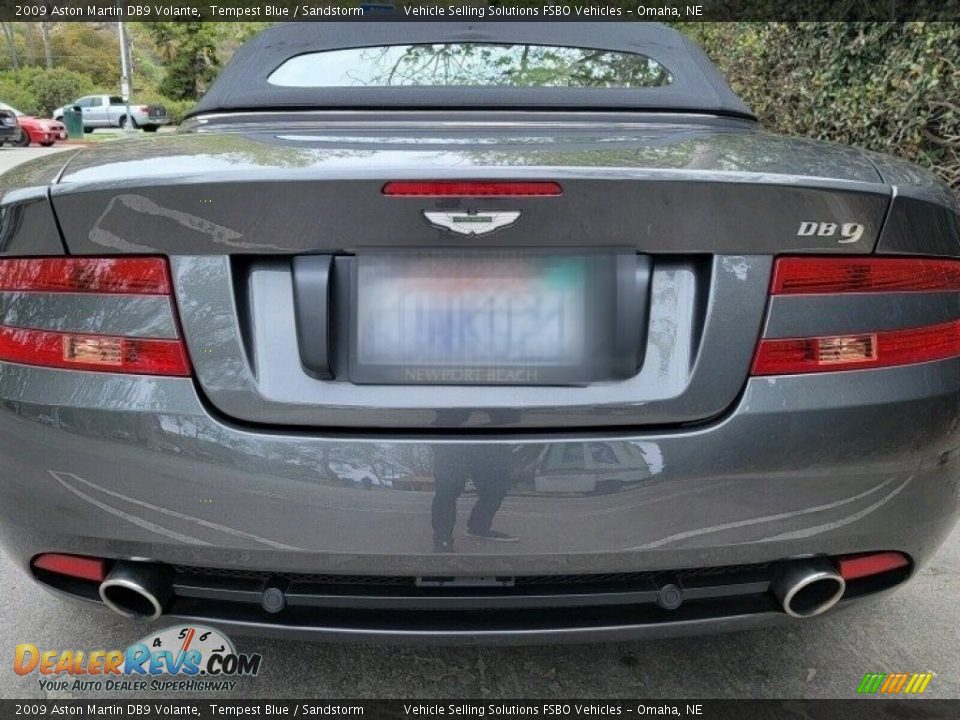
(496, 332)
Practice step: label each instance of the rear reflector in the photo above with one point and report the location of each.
(135, 276)
(858, 351)
(76, 566)
(93, 352)
(817, 276)
(404, 188)
(855, 567)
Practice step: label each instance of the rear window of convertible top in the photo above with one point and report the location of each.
(471, 64)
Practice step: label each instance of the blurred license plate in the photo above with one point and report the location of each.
(473, 317)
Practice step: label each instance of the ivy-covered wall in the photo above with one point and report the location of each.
(891, 87)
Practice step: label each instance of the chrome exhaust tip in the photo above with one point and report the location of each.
(136, 590)
(808, 588)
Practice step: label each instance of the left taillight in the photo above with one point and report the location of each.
(109, 279)
(844, 276)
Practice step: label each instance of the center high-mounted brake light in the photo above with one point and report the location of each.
(106, 277)
(460, 188)
(860, 350)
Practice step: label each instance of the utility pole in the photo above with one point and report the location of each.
(125, 75)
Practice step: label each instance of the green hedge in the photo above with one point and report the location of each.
(37, 91)
(890, 87)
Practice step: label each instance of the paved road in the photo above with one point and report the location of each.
(914, 630)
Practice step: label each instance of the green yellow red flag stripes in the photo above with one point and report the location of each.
(894, 683)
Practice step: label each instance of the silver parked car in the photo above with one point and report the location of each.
(499, 333)
(110, 111)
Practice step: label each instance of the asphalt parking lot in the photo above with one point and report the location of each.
(914, 630)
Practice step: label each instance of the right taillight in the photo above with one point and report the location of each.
(108, 278)
(819, 276)
(860, 350)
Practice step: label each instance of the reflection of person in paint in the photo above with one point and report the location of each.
(488, 465)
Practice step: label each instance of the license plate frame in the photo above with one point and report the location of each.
(605, 278)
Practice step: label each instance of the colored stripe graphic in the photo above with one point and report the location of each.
(871, 682)
(922, 685)
(889, 682)
(894, 683)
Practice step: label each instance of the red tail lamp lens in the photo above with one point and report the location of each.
(404, 188)
(814, 276)
(93, 352)
(860, 351)
(76, 566)
(90, 351)
(855, 567)
(137, 276)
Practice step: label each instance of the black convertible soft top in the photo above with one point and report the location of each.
(696, 86)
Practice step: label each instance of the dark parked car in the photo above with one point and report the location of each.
(506, 332)
(9, 126)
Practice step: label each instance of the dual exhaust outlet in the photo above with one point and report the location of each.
(141, 591)
(138, 591)
(808, 588)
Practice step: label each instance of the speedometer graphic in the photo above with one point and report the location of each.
(192, 644)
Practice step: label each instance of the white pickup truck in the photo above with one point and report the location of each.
(105, 111)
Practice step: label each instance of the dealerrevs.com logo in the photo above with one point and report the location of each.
(177, 659)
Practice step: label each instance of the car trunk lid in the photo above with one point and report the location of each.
(692, 211)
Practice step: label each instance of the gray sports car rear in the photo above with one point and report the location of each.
(256, 373)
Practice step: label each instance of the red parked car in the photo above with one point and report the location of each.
(35, 130)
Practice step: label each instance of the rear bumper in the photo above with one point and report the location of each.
(609, 632)
(144, 119)
(134, 467)
(48, 136)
